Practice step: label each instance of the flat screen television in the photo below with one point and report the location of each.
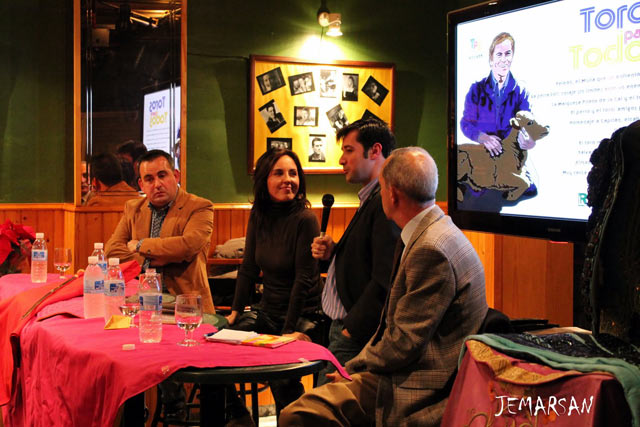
(534, 86)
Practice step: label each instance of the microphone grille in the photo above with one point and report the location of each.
(327, 200)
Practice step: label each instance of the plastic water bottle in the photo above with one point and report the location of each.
(93, 290)
(113, 289)
(150, 314)
(99, 252)
(39, 259)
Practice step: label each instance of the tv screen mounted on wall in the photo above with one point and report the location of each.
(534, 86)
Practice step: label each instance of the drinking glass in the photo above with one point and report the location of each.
(62, 260)
(130, 309)
(188, 316)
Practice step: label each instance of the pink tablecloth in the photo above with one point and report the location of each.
(73, 372)
(13, 284)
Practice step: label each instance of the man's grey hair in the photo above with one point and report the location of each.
(412, 171)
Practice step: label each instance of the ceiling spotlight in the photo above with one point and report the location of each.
(331, 20)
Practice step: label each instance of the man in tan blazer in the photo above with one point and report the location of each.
(404, 374)
(169, 229)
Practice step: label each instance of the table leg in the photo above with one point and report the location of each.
(254, 403)
(212, 405)
(133, 415)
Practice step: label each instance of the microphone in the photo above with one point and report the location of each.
(327, 202)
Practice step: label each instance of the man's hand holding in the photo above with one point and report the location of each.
(322, 247)
(491, 143)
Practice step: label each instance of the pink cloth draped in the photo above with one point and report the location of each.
(13, 308)
(74, 372)
(13, 284)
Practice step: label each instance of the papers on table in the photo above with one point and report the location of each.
(248, 338)
(230, 336)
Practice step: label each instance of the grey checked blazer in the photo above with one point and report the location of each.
(437, 298)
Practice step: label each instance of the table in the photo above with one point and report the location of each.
(212, 399)
(73, 372)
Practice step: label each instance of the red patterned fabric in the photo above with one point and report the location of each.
(487, 379)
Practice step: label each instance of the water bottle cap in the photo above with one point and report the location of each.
(98, 246)
(93, 260)
(114, 261)
(39, 235)
(150, 271)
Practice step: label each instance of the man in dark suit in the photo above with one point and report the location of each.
(404, 374)
(360, 263)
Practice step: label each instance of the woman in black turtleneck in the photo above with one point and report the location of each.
(279, 235)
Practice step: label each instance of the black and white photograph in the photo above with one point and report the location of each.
(349, 87)
(328, 84)
(270, 80)
(279, 143)
(317, 148)
(337, 117)
(301, 83)
(272, 116)
(369, 115)
(305, 116)
(374, 90)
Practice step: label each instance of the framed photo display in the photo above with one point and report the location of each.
(301, 105)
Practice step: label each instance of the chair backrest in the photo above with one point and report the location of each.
(495, 322)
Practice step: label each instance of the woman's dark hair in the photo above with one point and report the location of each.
(261, 198)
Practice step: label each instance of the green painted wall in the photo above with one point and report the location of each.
(223, 33)
(36, 86)
(36, 116)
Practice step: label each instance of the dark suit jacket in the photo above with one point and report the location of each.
(181, 249)
(364, 256)
(436, 300)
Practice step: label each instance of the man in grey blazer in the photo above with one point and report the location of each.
(404, 374)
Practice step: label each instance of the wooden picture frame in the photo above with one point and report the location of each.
(331, 92)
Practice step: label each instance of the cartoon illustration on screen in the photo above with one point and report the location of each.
(497, 116)
(506, 172)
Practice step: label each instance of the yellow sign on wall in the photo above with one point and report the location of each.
(301, 105)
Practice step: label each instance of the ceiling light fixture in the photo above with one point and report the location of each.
(328, 19)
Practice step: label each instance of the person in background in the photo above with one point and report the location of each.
(280, 230)
(404, 374)
(106, 179)
(359, 265)
(85, 184)
(128, 153)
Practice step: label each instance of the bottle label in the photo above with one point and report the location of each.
(103, 265)
(38, 255)
(151, 302)
(114, 288)
(98, 285)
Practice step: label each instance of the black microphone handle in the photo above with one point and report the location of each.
(325, 219)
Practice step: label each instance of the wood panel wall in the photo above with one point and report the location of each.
(524, 277)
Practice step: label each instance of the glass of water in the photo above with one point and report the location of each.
(188, 316)
(62, 260)
(130, 309)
